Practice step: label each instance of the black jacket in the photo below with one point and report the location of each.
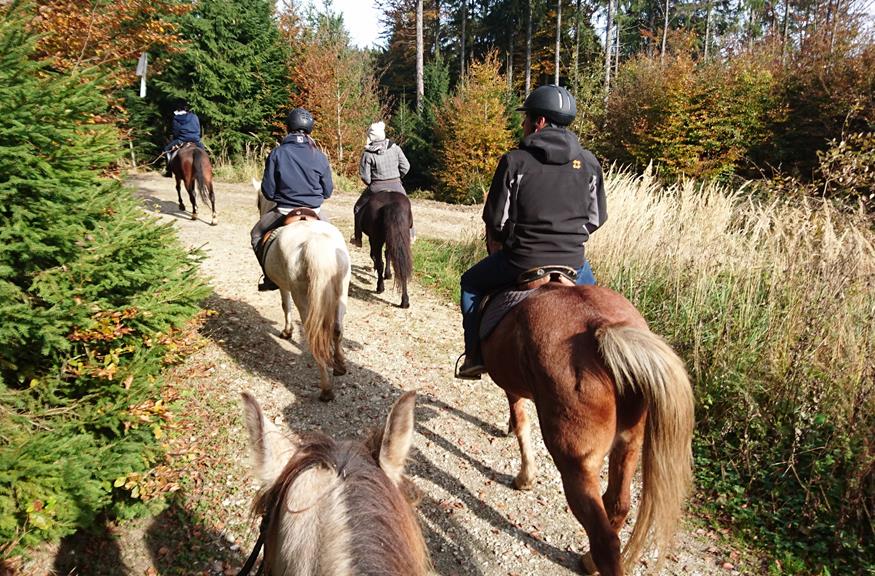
(546, 198)
(297, 174)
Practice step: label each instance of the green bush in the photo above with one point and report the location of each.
(89, 290)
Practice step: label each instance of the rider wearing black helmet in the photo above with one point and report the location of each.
(296, 175)
(546, 198)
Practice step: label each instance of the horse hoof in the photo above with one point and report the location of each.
(182, 206)
(326, 395)
(194, 216)
(286, 334)
(214, 221)
(587, 565)
(380, 289)
(405, 304)
(339, 370)
(520, 484)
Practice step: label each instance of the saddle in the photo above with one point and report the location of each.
(174, 150)
(497, 304)
(296, 215)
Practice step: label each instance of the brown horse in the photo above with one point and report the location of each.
(602, 383)
(191, 165)
(387, 219)
(337, 507)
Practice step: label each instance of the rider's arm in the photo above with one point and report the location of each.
(365, 169)
(496, 211)
(597, 206)
(325, 180)
(268, 180)
(403, 163)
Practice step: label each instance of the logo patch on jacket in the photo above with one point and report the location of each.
(576, 164)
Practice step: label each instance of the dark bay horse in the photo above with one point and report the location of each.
(602, 383)
(337, 507)
(192, 166)
(386, 219)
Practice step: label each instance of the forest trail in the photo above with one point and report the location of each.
(462, 461)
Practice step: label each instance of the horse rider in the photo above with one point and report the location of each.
(296, 175)
(186, 128)
(382, 166)
(547, 196)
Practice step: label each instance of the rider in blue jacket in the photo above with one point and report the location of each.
(296, 175)
(186, 128)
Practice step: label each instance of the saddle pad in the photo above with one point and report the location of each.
(497, 306)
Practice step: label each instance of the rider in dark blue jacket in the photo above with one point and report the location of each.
(186, 128)
(296, 175)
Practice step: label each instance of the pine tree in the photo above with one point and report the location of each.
(88, 288)
(233, 73)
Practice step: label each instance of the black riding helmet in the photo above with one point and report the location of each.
(554, 103)
(300, 119)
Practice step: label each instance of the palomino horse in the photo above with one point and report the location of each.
(191, 165)
(602, 383)
(386, 219)
(310, 263)
(337, 507)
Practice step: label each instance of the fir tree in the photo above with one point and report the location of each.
(88, 287)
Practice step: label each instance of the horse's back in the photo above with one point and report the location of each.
(293, 243)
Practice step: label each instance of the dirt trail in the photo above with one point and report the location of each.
(474, 523)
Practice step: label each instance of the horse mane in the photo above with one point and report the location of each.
(385, 535)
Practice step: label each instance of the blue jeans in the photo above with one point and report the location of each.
(488, 275)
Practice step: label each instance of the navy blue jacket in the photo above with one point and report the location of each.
(296, 174)
(186, 127)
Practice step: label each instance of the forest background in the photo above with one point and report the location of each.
(768, 106)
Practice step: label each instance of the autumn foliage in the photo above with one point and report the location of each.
(472, 133)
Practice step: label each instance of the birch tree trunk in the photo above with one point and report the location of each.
(786, 27)
(464, 18)
(420, 83)
(437, 28)
(529, 51)
(577, 48)
(558, 37)
(512, 29)
(608, 45)
(664, 34)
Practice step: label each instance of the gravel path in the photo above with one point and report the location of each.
(474, 523)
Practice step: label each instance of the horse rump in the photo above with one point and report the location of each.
(396, 220)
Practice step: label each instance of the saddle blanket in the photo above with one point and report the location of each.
(496, 306)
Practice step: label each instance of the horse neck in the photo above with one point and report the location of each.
(337, 515)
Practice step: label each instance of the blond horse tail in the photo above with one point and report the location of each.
(325, 271)
(642, 362)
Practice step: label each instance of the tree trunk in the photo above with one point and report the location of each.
(462, 59)
(437, 28)
(512, 29)
(529, 51)
(708, 28)
(558, 37)
(577, 48)
(608, 45)
(664, 34)
(786, 27)
(617, 43)
(420, 83)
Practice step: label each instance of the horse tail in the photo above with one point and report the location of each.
(644, 363)
(198, 162)
(326, 266)
(396, 222)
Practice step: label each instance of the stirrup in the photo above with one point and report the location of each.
(471, 372)
(267, 285)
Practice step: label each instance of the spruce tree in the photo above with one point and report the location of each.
(233, 71)
(89, 287)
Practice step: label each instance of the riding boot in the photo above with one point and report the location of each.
(356, 239)
(167, 172)
(266, 285)
(472, 367)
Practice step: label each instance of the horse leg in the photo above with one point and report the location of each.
(387, 272)
(377, 257)
(519, 424)
(215, 219)
(580, 480)
(288, 306)
(339, 360)
(621, 468)
(179, 192)
(190, 188)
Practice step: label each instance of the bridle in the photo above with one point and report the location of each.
(259, 544)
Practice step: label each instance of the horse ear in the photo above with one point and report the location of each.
(270, 448)
(398, 437)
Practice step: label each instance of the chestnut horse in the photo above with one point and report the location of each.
(602, 383)
(337, 507)
(191, 166)
(387, 219)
